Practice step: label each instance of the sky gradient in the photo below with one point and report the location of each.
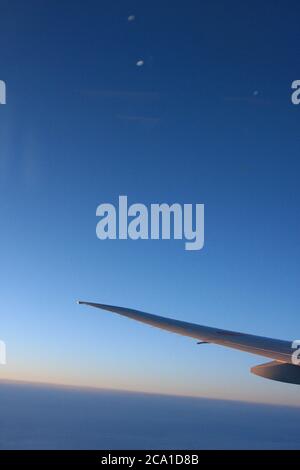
(207, 119)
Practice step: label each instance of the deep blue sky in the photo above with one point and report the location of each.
(207, 119)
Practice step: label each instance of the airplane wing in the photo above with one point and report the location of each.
(281, 368)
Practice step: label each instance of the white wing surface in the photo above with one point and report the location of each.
(281, 368)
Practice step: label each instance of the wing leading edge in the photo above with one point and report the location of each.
(278, 350)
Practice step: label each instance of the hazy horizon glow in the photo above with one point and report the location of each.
(117, 420)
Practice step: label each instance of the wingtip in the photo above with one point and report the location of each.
(93, 304)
